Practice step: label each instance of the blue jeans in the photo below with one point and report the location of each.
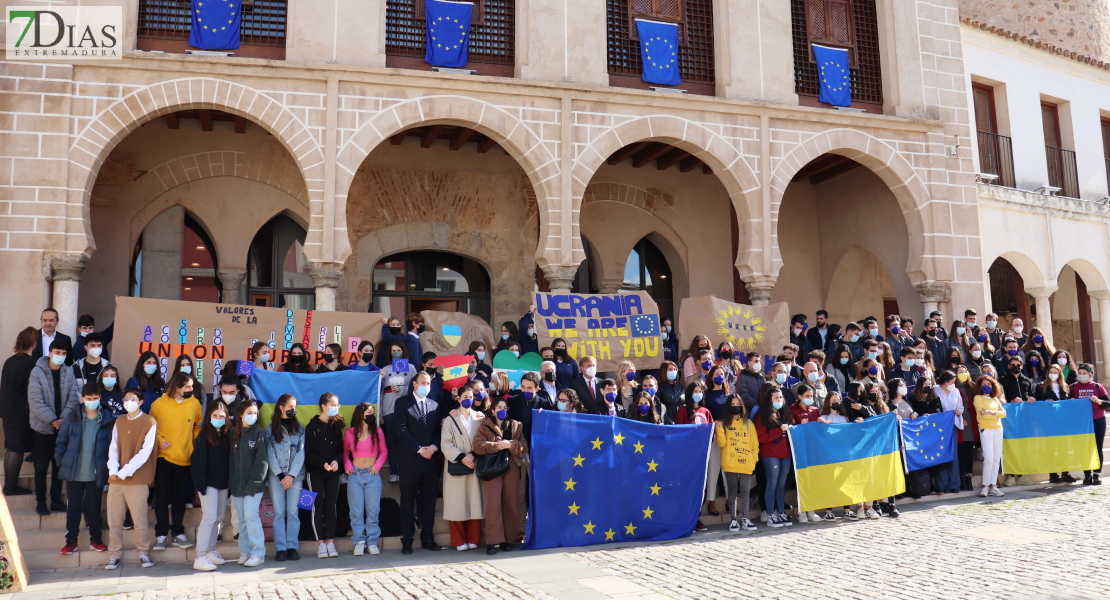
(252, 540)
(948, 476)
(364, 494)
(287, 517)
(774, 497)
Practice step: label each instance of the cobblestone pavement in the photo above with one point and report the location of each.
(1032, 544)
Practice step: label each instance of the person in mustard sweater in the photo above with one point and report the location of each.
(990, 410)
(179, 419)
(739, 452)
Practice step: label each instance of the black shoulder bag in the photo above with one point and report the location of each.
(457, 468)
(492, 466)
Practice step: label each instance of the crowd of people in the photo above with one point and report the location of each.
(160, 439)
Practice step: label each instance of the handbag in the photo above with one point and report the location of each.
(457, 468)
(492, 466)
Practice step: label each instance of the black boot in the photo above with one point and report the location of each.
(1067, 477)
(40, 508)
(1054, 478)
(1096, 479)
(491, 549)
(1087, 479)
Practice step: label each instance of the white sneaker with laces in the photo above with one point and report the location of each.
(215, 558)
(254, 561)
(814, 517)
(359, 548)
(871, 512)
(764, 517)
(773, 521)
(145, 561)
(394, 478)
(201, 563)
(374, 549)
(322, 551)
(462, 548)
(469, 546)
(986, 490)
(243, 558)
(746, 524)
(785, 519)
(803, 518)
(332, 552)
(994, 491)
(734, 526)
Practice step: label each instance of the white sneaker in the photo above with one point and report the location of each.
(254, 561)
(332, 552)
(764, 517)
(986, 490)
(462, 548)
(374, 549)
(814, 517)
(201, 563)
(734, 526)
(871, 512)
(243, 558)
(747, 525)
(470, 546)
(181, 541)
(322, 551)
(215, 558)
(160, 542)
(359, 548)
(773, 521)
(785, 519)
(394, 478)
(994, 491)
(1024, 480)
(802, 518)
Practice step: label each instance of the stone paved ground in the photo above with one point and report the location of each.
(1032, 544)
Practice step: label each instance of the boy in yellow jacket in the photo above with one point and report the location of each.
(739, 452)
(179, 418)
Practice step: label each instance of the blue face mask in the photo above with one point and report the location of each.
(854, 338)
(467, 402)
(780, 378)
(896, 330)
(333, 411)
(186, 369)
(150, 369)
(987, 389)
(58, 360)
(872, 355)
(697, 397)
(777, 405)
(422, 390)
(843, 360)
(807, 401)
(706, 364)
(643, 408)
(1012, 352)
(250, 419)
(516, 353)
(610, 396)
(109, 382)
(505, 336)
(480, 354)
(218, 423)
(501, 414)
(527, 395)
(92, 404)
(479, 396)
(672, 375)
(631, 375)
(650, 391)
(562, 406)
(719, 379)
(873, 370)
(84, 333)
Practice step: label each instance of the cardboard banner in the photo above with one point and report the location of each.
(452, 332)
(514, 368)
(762, 329)
(609, 327)
(213, 334)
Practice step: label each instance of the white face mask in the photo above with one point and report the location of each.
(591, 371)
(920, 362)
(1018, 329)
(976, 353)
(959, 331)
(1053, 376)
(1083, 378)
(131, 406)
(95, 352)
(755, 365)
(228, 398)
(991, 324)
(1062, 361)
(902, 390)
(878, 352)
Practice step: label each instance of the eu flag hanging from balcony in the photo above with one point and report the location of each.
(215, 24)
(598, 479)
(447, 32)
(659, 51)
(832, 67)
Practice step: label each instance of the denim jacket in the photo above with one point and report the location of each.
(286, 456)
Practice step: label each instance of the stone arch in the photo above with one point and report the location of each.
(730, 167)
(1089, 272)
(535, 155)
(891, 167)
(1031, 274)
(277, 174)
(105, 131)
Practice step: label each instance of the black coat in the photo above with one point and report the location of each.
(413, 432)
(589, 401)
(672, 397)
(521, 409)
(813, 336)
(1044, 391)
(13, 387)
(602, 408)
(1017, 387)
(40, 351)
(322, 446)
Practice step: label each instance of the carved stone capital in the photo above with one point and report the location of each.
(608, 288)
(759, 288)
(325, 275)
(1098, 294)
(1041, 292)
(934, 291)
(61, 266)
(560, 278)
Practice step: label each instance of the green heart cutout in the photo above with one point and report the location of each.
(505, 360)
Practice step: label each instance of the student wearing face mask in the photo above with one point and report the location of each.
(393, 331)
(1015, 385)
(853, 335)
(952, 358)
(111, 394)
(781, 377)
(333, 360)
(262, 355)
(960, 338)
(870, 353)
(1035, 366)
(82, 458)
(246, 480)
(749, 380)
(907, 369)
(211, 469)
(671, 393)
(695, 413)
(858, 405)
(644, 409)
(1062, 358)
(285, 453)
(739, 447)
(899, 401)
(477, 349)
(463, 497)
(323, 456)
(692, 358)
(1002, 357)
(975, 360)
(948, 474)
(841, 367)
(626, 383)
(87, 368)
(990, 409)
(131, 468)
(1017, 331)
(86, 327)
(567, 402)
(52, 394)
(526, 332)
(610, 405)
(798, 337)
(566, 369)
(428, 365)
(895, 335)
(508, 335)
(968, 436)
(1038, 342)
(717, 389)
(395, 385)
(725, 356)
(148, 378)
(296, 361)
(365, 357)
(771, 425)
(499, 432)
(1086, 386)
(179, 418)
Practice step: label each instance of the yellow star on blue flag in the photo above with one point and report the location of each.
(658, 49)
(215, 38)
(447, 24)
(835, 75)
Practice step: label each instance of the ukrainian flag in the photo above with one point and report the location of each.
(1048, 437)
(351, 387)
(847, 463)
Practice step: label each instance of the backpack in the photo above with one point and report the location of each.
(389, 517)
(266, 513)
(918, 483)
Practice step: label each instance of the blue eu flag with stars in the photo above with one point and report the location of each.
(929, 440)
(447, 32)
(659, 51)
(598, 479)
(644, 325)
(832, 67)
(215, 24)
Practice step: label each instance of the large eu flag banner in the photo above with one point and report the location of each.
(659, 52)
(832, 66)
(215, 24)
(598, 479)
(447, 32)
(929, 440)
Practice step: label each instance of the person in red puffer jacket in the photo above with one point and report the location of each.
(771, 424)
(805, 410)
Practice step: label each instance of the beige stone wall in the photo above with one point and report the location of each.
(1081, 26)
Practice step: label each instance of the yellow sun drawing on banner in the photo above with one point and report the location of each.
(741, 330)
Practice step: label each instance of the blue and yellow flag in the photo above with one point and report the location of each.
(447, 32)
(215, 24)
(929, 440)
(847, 463)
(832, 67)
(659, 51)
(1048, 437)
(351, 387)
(598, 479)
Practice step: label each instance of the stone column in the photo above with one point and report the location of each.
(932, 293)
(1044, 310)
(232, 281)
(608, 287)
(1103, 297)
(64, 270)
(560, 278)
(759, 289)
(325, 276)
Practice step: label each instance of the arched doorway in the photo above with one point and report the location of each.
(1007, 294)
(277, 270)
(174, 259)
(647, 270)
(860, 287)
(427, 280)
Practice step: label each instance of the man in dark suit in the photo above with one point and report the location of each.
(419, 420)
(48, 333)
(587, 386)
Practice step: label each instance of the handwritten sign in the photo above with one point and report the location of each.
(762, 329)
(609, 327)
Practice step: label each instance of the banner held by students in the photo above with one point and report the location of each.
(597, 479)
(351, 387)
(762, 329)
(452, 333)
(212, 334)
(1048, 437)
(609, 327)
(929, 440)
(847, 463)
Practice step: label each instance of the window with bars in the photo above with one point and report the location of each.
(263, 24)
(695, 36)
(848, 24)
(492, 34)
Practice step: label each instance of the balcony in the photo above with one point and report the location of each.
(164, 26)
(1062, 172)
(996, 157)
(492, 36)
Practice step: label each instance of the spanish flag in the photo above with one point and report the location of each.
(1048, 437)
(847, 463)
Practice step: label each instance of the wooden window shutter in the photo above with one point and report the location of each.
(668, 11)
(829, 23)
(476, 15)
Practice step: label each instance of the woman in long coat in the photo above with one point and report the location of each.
(463, 501)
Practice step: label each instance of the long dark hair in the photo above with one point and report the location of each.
(849, 370)
(502, 343)
(651, 416)
(145, 380)
(336, 422)
(770, 417)
(215, 437)
(277, 428)
(291, 367)
(728, 416)
(359, 418)
(239, 412)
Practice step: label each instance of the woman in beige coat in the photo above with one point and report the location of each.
(463, 501)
